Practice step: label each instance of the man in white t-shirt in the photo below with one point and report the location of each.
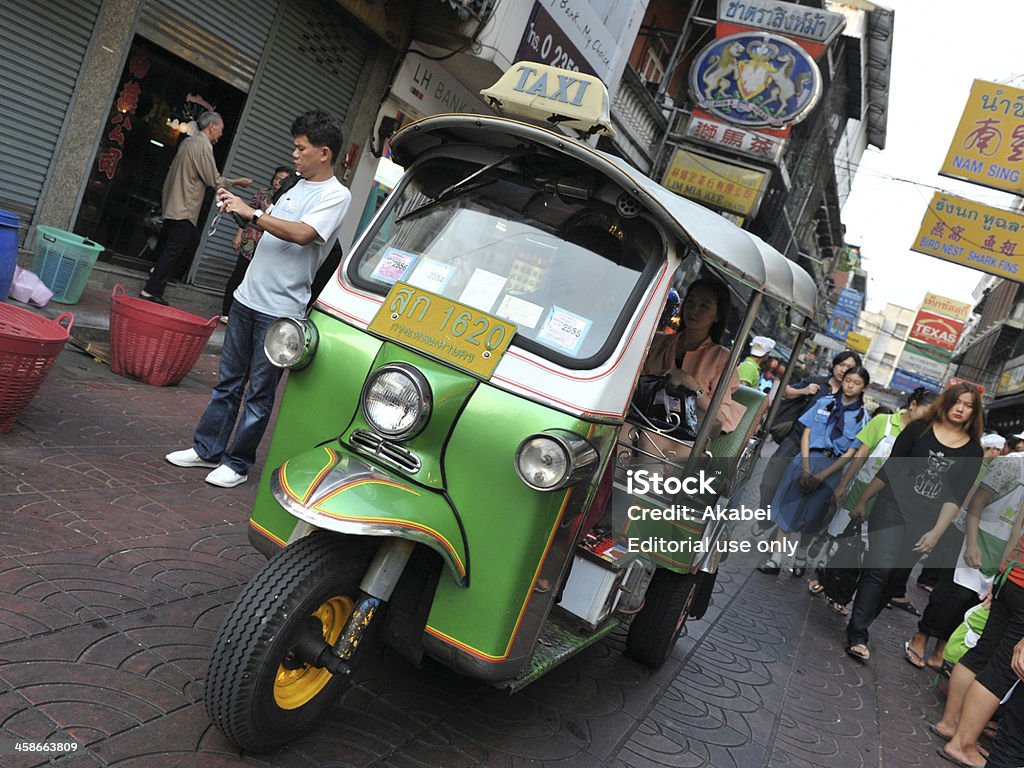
(298, 233)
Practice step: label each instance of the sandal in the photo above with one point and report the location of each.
(838, 607)
(798, 570)
(770, 567)
(859, 652)
(904, 605)
(815, 587)
(913, 657)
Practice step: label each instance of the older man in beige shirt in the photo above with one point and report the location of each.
(192, 171)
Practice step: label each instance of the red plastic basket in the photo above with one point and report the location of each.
(29, 345)
(154, 343)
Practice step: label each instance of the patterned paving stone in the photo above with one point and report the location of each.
(116, 570)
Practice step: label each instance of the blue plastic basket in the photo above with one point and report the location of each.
(64, 261)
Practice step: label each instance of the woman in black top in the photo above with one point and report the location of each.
(920, 489)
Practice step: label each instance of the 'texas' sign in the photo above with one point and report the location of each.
(936, 330)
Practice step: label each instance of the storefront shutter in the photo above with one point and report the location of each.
(218, 38)
(42, 47)
(314, 60)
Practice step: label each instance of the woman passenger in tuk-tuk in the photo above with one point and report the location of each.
(693, 357)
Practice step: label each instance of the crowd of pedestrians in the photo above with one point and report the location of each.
(923, 482)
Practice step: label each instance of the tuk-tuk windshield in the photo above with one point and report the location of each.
(562, 269)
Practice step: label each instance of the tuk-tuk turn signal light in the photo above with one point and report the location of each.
(554, 459)
(291, 343)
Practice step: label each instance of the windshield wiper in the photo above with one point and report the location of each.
(463, 186)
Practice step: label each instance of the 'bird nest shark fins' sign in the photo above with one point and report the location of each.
(972, 234)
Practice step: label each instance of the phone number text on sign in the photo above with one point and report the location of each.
(545, 43)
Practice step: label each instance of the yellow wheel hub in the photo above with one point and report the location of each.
(295, 687)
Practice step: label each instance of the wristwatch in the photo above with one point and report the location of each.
(256, 216)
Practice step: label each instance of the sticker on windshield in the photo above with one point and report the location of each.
(525, 314)
(431, 275)
(482, 290)
(393, 265)
(564, 330)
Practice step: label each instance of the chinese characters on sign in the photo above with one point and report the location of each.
(972, 234)
(988, 147)
(759, 145)
(125, 105)
(717, 184)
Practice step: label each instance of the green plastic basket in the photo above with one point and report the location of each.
(64, 261)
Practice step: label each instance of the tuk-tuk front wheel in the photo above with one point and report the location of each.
(261, 690)
(657, 626)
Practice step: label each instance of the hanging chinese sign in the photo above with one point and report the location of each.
(975, 235)
(758, 145)
(125, 106)
(988, 147)
(725, 186)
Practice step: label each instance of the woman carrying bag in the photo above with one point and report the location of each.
(920, 489)
(876, 442)
(786, 430)
(827, 443)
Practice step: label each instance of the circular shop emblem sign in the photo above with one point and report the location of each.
(755, 79)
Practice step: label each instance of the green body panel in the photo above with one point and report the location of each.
(332, 485)
(318, 405)
(683, 532)
(508, 525)
(449, 389)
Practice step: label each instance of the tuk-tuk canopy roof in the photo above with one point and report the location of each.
(721, 243)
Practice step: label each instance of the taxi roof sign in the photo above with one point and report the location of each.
(554, 95)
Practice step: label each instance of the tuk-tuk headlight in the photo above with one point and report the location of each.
(396, 401)
(554, 459)
(291, 343)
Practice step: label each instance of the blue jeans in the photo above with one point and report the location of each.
(244, 368)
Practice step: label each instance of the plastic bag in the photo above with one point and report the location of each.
(27, 288)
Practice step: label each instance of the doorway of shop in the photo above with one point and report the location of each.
(158, 98)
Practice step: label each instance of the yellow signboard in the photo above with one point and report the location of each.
(988, 147)
(972, 234)
(940, 305)
(858, 342)
(717, 184)
(446, 330)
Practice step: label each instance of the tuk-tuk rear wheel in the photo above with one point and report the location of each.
(260, 693)
(656, 628)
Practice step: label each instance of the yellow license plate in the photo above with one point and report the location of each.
(446, 330)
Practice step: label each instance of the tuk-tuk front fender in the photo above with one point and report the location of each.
(331, 489)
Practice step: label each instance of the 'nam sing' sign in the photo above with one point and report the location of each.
(988, 147)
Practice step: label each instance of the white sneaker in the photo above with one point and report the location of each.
(189, 458)
(225, 477)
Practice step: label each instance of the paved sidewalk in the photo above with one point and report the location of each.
(116, 569)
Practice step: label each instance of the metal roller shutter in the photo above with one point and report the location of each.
(219, 39)
(314, 60)
(42, 47)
